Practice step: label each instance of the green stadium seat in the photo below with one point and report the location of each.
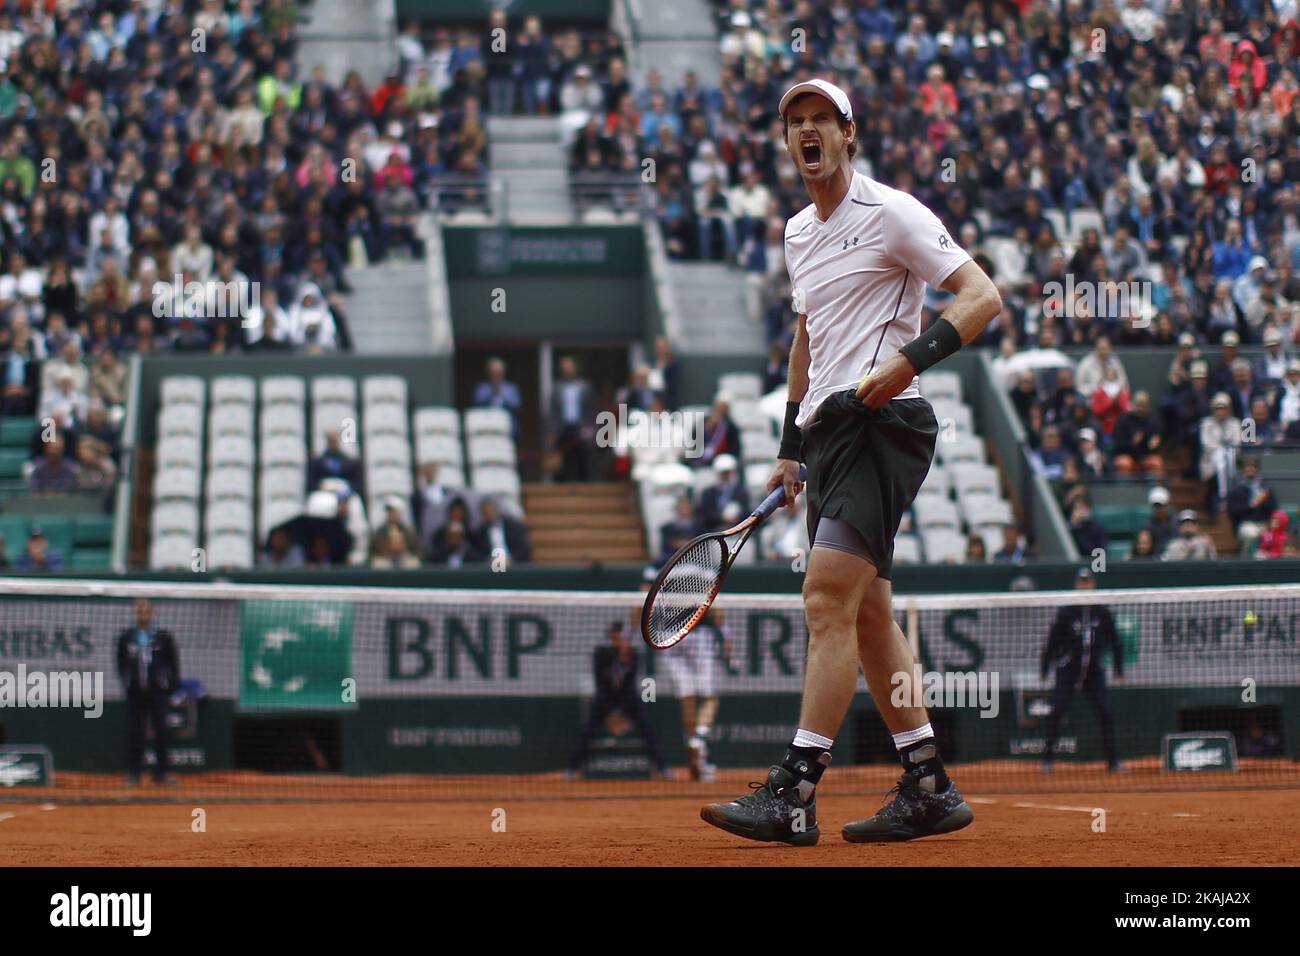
(14, 528)
(1280, 463)
(1120, 519)
(16, 432)
(91, 558)
(11, 463)
(92, 531)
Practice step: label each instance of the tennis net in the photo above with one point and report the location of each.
(345, 693)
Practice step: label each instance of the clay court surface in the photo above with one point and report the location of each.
(1258, 827)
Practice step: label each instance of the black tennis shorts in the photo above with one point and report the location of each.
(865, 467)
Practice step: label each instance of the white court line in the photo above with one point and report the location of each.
(1186, 814)
(7, 816)
(1053, 806)
(980, 800)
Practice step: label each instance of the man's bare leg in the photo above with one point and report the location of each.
(833, 589)
(885, 653)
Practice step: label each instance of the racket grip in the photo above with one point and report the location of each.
(777, 498)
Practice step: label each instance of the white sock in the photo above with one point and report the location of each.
(909, 737)
(806, 738)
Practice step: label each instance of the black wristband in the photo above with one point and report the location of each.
(791, 436)
(932, 346)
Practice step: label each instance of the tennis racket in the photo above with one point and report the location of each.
(684, 589)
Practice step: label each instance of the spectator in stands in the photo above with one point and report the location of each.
(311, 324)
(498, 392)
(1250, 505)
(1138, 441)
(666, 373)
(976, 550)
(1242, 391)
(281, 551)
(1288, 402)
(38, 556)
(334, 462)
(1089, 536)
(1190, 544)
(502, 536)
(64, 402)
(1109, 401)
(1144, 547)
(399, 211)
(394, 519)
(1049, 460)
(1270, 368)
(4, 557)
(1274, 541)
(391, 549)
(96, 471)
(1091, 461)
(1258, 427)
(726, 501)
(1014, 550)
(1161, 524)
(108, 380)
(721, 436)
(20, 367)
(430, 501)
(1093, 367)
(53, 473)
(452, 546)
(571, 423)
(636, 394)
(1220, 439)
(1221, 366)
(673, 534)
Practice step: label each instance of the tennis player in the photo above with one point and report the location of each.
(859, 258)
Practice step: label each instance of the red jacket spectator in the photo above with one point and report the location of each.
(1247, 77)
(1272, 543)
(1108, 406)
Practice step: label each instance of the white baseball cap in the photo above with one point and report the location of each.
(826, 89)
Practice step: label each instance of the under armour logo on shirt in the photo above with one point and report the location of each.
(847, 243)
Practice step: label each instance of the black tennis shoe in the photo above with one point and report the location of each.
(774, 813)
(914, 812)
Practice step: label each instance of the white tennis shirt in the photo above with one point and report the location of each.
(860, 279)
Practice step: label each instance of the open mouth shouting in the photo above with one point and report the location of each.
(811, 150)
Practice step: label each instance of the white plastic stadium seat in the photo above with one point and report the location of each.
(971, 478)
(229, 483)
(182, 390)
(491, 421)
(491, 450)
(277, 484)
(437, 420)
(176, 484)
(229, 550)
(282, 420)
(180, 420)
(228, 420)
(954, 446)
(233, 451)
(333, 390)
(759, 447)
(943, 545)
(233, 390)
(748, 416)
(175, 517)
(985, 510)
(932, 512)
(443, 449)
(283, 390)
(493, 480)
(384, 390)
(1081, 220)
(384, 419)
(229, 516)
(739, 386)
(172, 551)
(282, 450)
(937, 483)
(671, 479)
(452, 476)
(941, 385)
(179, 451)
(907, 549)
(388, 480)
(388, 450)
(963, 420)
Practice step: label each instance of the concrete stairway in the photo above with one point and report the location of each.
(584, 523)
(388, 309)
(673, 36)
(343, 35)
(1187, 493)
(710, 302)
(529, 169)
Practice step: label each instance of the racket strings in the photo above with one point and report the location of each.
(688, 586)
